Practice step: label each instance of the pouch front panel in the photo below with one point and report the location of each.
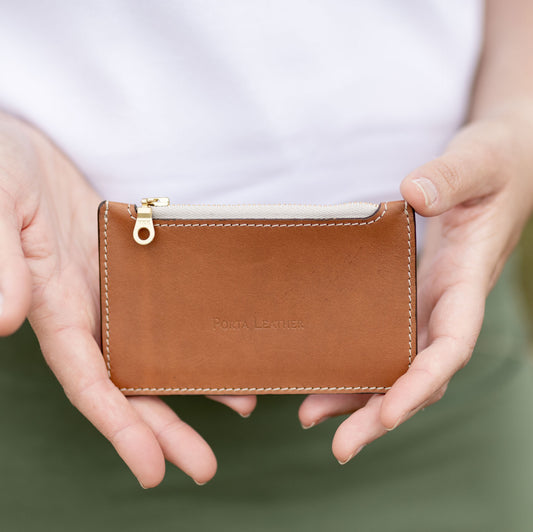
(258, 306)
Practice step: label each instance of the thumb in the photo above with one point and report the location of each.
(470, 169)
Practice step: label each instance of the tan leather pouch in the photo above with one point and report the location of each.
(257, 299)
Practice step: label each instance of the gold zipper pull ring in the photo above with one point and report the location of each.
(144, 220)
(142, 224)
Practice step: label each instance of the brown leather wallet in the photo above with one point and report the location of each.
(257, 299)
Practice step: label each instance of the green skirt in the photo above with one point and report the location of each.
(463, 464)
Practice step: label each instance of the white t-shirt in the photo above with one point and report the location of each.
(242, 101)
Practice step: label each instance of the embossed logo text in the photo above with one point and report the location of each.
(221, 324)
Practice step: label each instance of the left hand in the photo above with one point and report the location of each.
(49, 272)
(479, 195)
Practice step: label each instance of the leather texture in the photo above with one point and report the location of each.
(258, 306)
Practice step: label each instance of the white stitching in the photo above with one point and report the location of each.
(314, 224)
(108, 355)
(409, 281)
(276, 389)
(256, 389)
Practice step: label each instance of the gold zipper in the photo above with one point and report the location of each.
(144, 219)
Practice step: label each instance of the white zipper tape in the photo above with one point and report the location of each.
(265, 211)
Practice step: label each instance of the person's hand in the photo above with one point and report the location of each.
(49, 272)
(480, 193)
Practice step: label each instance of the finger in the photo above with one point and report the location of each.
(453, 329)
(75, 358)
(244, 405)
(362, 427)
(471, 168)
(433, 398)
(180, 443)
(15, 280)
(317, 408)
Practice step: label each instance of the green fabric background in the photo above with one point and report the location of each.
(463, 464)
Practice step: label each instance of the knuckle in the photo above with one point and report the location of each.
(499, 149)
(116, 434)
(440, 393)
(435, 397)
(168, 429)
(77, 394)
(465, 350)
(449, 173)
(459, 349)
(433, 369)
(465, 360)
(487, 159)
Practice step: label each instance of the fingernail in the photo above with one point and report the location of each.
(428, 189)
(357, 451)
(245, 415)
(315, 422)
(394, 426)
(142, 485)
(199, 483)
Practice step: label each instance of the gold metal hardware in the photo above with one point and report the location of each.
(144, 219)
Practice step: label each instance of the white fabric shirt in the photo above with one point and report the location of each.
(242, 101)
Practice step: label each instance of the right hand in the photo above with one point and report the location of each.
(49, 273)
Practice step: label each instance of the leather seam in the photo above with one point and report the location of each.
(280, 388)
(409, 258)
(107, 324)
(250, 389)
(315, 224)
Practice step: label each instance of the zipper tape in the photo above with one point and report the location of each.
(265, 211)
